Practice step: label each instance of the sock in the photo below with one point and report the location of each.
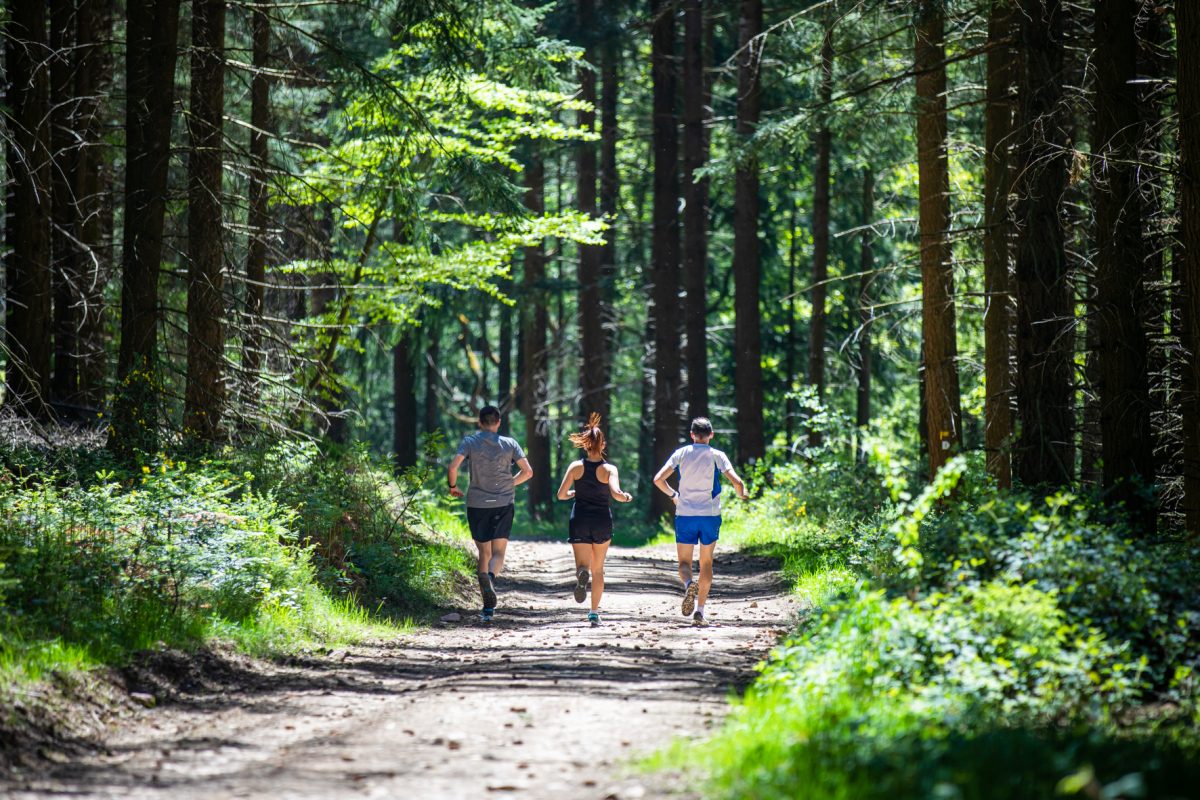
(700, 608)
(492, 576)
(687, 583)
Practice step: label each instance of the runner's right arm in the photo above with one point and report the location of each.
(737, 483)
(565, 492)
(614, 486)
(452, 475)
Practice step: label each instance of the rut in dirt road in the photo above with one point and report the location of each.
(537, 704)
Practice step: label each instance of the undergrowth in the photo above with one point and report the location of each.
(970, 643)
(269, 549)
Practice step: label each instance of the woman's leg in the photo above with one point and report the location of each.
(599, 551)
(583, 554)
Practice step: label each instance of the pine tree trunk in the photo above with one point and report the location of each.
(65, 255)
(150, 53)
(1124, 390)
(997, 236)
(609, 195)
(205, 394)
(1043, 455)
(93, 192)
(747, 335)
(944, 407)
(1187, 19)
(404, 393)
(432, 353)
(536, 321)
(866, 312)
(665, 255)
(695, 209)
(27, 264)
(258, 217)
(820, 217)
(593, 380)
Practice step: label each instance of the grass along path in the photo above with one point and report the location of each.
(537, 705)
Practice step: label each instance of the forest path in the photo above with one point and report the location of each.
(538, 704)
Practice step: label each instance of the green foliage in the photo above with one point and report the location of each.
(243, 548)
(971, 643)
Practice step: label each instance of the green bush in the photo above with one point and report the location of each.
(970, 643)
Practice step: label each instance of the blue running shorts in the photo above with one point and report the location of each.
(697, 530)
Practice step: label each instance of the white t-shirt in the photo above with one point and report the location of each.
(700, 468)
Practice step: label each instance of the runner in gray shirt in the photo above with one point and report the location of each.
(490, 496)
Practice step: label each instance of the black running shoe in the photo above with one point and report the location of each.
(581, 582)
(488, 590)
(486, 614)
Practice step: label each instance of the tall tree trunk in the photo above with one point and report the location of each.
(93, 80)
(695, 208)
(1125, 435)
(27, 265)
(258, 217)
(65, 255)
(866, 312)
(820, 217)
(593, 380)
(404, 393)
(536, 321)
(997, 235)
(1043, 452)
(1155, 53)
(1187, 21)
(944, 407)
(432, 353)
(150, 52)
(793, 325)
(204, 399)
(665, 253)
(504, 378)
(747, 331)
(609, 191)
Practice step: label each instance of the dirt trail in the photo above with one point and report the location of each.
(537, 705)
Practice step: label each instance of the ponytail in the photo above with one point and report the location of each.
(590, 438)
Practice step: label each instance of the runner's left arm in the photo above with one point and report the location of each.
(526, 472)
(614, 486)
(737, 483)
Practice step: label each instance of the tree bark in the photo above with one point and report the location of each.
(593, 378)
(1187, 20)
(150, 54)
(866, 268)
(609, 195)
(944, 407)
(665, 255)
(536, 321)
(204, 399)
(1043, 455)
(747, 335)
(27, 265)
(404, 393)
(93, 194)
(64, 153)
(258, 217)
(997, 236)
(432, 353)
(820, 217)
(1124, 390)
(695, 208)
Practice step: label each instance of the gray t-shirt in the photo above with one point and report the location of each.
(490, 458)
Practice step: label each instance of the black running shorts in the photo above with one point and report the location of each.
(487, 524)
(590, 529)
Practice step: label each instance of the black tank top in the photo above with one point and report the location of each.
(591, 496)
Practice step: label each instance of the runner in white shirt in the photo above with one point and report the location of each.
(697, 509)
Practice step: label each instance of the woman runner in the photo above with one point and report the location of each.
(591, 526)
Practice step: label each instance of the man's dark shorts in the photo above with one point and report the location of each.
(488, 524)
(590, 529)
